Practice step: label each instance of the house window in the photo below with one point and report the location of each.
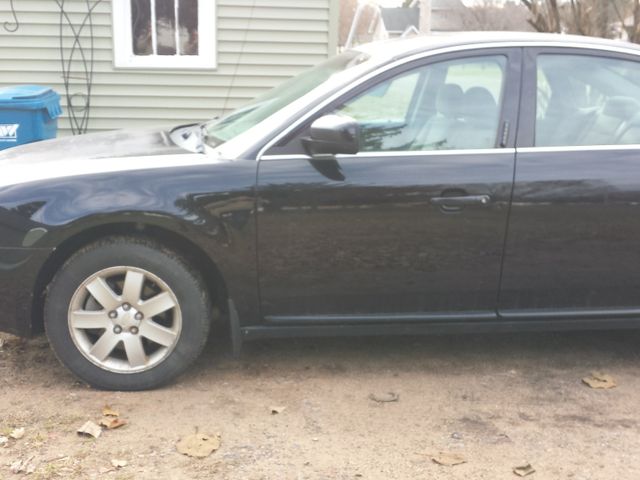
(171, 34)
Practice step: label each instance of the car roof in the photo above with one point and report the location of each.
(400, 48)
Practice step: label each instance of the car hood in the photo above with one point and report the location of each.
(116, 151)
(95, 146)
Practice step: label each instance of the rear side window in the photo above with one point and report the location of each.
(586, 100)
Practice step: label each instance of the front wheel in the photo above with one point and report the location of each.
(127, 314)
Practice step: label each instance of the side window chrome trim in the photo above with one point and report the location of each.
(577, 148)
(405, 153)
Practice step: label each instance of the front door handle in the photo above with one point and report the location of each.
(461, 201)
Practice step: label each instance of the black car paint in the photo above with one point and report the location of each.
(374, 243)
(387, 248)
(571, 250)
(210, 206)
(219, 211)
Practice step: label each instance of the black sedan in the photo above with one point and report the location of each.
(445, 184)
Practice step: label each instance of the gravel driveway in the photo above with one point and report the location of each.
(498, 401)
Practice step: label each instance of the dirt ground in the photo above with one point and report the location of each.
(500, 401)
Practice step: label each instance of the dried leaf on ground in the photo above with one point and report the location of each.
(384, 397)
(90, 429)
(111, 423)
(23, 466)
(107, 411)
(448, 459)
(17, 433)
(600, 381)
(198, 445)
(115, 463)
(524, 470)
(276, 410)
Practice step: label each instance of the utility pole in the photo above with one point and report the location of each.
(425, 17)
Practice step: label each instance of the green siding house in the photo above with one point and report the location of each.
(135, 63)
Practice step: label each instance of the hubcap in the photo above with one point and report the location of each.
(124, 319)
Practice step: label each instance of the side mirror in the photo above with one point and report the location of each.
(333, 134)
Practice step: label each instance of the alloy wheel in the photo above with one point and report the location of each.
(124, 319)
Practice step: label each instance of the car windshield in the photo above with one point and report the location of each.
(241, 120)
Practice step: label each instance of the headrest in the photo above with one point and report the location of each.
(449, 99)
(478, 102)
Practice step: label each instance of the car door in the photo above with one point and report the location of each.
(572, 245)
(410, 228)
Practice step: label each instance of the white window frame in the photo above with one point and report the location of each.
(123, 41)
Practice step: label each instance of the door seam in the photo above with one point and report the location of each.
(513, 182)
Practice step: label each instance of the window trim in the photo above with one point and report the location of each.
(402, 153)
(123, 56)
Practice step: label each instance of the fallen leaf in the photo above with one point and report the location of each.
(524, 470)
(448, 459)
(198, 445)
(16, 467)
(118, 463)
(17, 433)
(277, 410)
(90, 429)
(111, 423)
(107, 411)
(385, 397)
(20, 466)
(600, 381)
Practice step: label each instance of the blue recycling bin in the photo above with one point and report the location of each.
(28, 113)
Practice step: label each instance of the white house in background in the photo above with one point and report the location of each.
(157, 62)
(398, 22)
(373, 23)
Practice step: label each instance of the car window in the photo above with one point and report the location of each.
(219, 131)
(390, 100)
(443, 106)
(585, 100)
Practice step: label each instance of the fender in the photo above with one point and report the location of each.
(210, 204)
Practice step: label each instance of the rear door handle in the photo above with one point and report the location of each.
(461, 201)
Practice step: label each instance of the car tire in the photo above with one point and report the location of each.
(127, 314)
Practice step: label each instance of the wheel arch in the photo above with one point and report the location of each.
(189, 250)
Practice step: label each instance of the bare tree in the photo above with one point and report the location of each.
(545, 15)
(608, 19)
(628, 14)
(496, 15)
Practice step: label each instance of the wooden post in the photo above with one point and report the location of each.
(425, 17)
